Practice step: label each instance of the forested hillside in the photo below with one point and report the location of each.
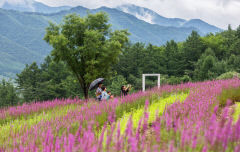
(195, 59)
(21, 34)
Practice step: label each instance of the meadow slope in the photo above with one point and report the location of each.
(185, 117)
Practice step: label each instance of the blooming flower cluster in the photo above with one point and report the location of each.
(196, 124)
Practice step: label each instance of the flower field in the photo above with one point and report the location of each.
(187, 117)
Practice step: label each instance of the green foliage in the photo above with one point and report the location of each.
(49, 81)
(14, 124)
(208, 66)
(174, 80)
(156, 106)
(117, 82)
(128, 107)
(236, 114)
(234, 62)
(87, 46)
(8, 94)
(77, 42)
(28, 81)
(228, 75)
(217, 45)
(163, 79)
(174, 59)
(21, 34)
(185, 79)
(232, 94)
(193, 48)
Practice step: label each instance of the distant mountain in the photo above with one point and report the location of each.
(152, 17)
(32, 6)
(20, 41)
(204, 27)
(21, 34)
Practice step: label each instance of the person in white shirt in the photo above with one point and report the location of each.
(99, 92)
(105, 95)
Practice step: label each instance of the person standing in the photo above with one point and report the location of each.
(99, 92)
(125, 90)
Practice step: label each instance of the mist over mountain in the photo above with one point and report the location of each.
(152, 17)
(21, 33)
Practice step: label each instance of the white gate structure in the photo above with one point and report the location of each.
(147, 75)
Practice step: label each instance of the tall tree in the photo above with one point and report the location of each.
(217, 44)
(52, 80)
(238, 32)
(150, 64)
(86, 45)
(8, 94)
(193, 48)
(233, 63)
(131, 60)
(208, 66)
(28, 81)
(173, 57)
(49, 81)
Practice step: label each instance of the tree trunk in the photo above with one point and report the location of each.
(85, 91)
(83, 86)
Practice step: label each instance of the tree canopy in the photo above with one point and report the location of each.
(87, 45)
(8, 94)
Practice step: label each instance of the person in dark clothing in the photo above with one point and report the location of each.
(125, 90)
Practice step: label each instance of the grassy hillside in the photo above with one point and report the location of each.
(185, 117)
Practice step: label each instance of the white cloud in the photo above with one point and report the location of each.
(17, 2)
(143, 16)
(146, 17)
(216, 12)
(23, 3)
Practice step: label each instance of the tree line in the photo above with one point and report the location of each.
(196, 59)
(87, 48)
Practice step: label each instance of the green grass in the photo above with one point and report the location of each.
(236, 114)
(21, 123)
(16, 125)
(157, 106)
(233, 94)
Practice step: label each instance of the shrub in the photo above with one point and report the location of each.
(174, 80)
(185, 79)
(228, 75)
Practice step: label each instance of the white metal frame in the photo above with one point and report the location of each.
(143, 80)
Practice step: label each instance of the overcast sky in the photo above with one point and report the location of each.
(217, 12)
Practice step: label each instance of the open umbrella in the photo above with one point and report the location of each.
(95, 83)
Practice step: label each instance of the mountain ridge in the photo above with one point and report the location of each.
(33, 6)
(141, 12)
(21, 34)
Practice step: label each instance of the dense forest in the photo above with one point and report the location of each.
(215, 56)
